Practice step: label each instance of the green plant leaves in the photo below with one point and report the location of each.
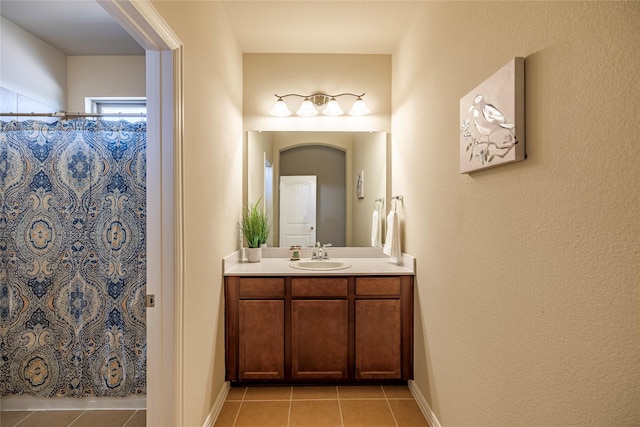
(255, 225)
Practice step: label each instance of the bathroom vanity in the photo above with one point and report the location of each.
(290, 326)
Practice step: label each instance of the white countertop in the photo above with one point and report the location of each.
(276, 262)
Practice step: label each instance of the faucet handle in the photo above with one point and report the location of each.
(326, 247)
(315, 250)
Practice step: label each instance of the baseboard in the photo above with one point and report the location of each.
(31, 403)
(423, 404)
(217, 405)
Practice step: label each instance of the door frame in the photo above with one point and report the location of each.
(165, 236)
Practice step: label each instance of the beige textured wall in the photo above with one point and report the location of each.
(212, 166)
(528, 274)
(97, 76)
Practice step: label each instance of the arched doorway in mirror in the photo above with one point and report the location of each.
(328, 165)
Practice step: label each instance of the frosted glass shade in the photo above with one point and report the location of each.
(332, 108)
(280, 109)
(359, 108)
(307, 109)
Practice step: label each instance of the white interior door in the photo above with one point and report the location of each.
(297, 210)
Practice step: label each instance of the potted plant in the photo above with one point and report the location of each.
(255, 229)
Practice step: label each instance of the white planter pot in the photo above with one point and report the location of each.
(254, 254)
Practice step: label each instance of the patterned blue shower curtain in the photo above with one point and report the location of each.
(72, 258)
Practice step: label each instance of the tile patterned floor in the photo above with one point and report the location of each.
(111, 418)
(325, 406)
(297, 406)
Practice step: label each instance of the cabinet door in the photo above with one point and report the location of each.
(377, 344)
(261, 339)
(319, 334)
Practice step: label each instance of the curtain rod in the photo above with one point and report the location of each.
(72, 115)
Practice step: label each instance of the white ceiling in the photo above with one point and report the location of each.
(83, 27)
(73, 27)
(319, 26)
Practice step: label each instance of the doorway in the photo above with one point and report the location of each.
(329, 165)
(164, 198)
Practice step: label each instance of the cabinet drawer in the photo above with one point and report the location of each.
(377, 286)
(319, 287)
(261, 287)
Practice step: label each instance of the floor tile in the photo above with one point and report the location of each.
(314, 392)
(139, 419)
(268, 393)
(366, 413)
(102, 418)
(263, 414)
(397, 392)
(50, 418)
(227, 415)
(360, 392)
(407, 413)
(11, 418)
(315, 413)
(236, 393)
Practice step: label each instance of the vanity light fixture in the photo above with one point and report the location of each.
(312, 103)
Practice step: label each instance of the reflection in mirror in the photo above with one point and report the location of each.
(350, 171)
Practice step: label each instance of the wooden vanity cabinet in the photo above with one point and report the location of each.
(347, 329)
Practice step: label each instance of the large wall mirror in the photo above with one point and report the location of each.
(318, 186)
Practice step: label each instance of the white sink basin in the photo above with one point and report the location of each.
(320, 265)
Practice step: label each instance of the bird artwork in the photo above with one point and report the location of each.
(495, 135)
(489, 116)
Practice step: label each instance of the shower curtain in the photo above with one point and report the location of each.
(72, 258)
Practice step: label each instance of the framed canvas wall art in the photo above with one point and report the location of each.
(492, 120)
